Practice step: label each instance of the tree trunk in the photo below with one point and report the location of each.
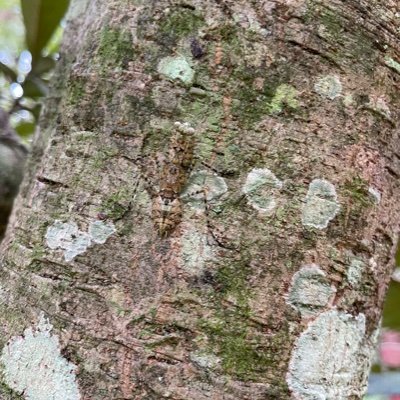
(211, 205)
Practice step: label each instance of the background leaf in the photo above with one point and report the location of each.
(34, 87)
(11, 74)
(42, 65)
(25, 129)
(41, 18)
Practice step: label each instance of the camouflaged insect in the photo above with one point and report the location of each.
(173, 175)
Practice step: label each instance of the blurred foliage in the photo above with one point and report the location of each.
(30, 35)
(391, 314)
(11, 27)
(41, 18)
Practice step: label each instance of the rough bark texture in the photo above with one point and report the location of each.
(211, 205)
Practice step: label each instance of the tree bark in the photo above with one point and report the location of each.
(211, 206)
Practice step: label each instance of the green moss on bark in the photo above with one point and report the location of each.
(117, 204)
(115, 47)
(75, 91)
(231, 333)
(178, 24)
(6, 393)
(352, 45)
(242, 354)
(356, 191)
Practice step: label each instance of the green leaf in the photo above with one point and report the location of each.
(8, 72)
(53, 45)
(34, 87)
(42, 65)
(11, 28)
(25, 129)
(36, 111)
(41, 18)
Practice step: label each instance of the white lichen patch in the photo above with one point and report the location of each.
(176, 68)
(184, 127)
(260, 188)
(100, 231)
(205, 360)
(375, 194)
(392, 64)
(321, 204)
(348, 100)
(328, 86)
(78, 245)
(310, 290)
(195, 251)
(355, 271)
(67, 237)
(329, 361)
(33, 365)
(60, 234)
(203, 187)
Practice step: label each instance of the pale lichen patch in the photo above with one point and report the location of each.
(392, 64)
(205, 360)
(375, 194)
(60, 234)
(348, 100)
(195, 251)
(310, 290)
(285, 95)
(355, 271)
(184, 127)
(100, 231)
(33, 365)
(260, 189)
(321, 204)
(78, 246)
(329, 359)
(328, 86)
(176, 68)
(203, 187)
(67, 237)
